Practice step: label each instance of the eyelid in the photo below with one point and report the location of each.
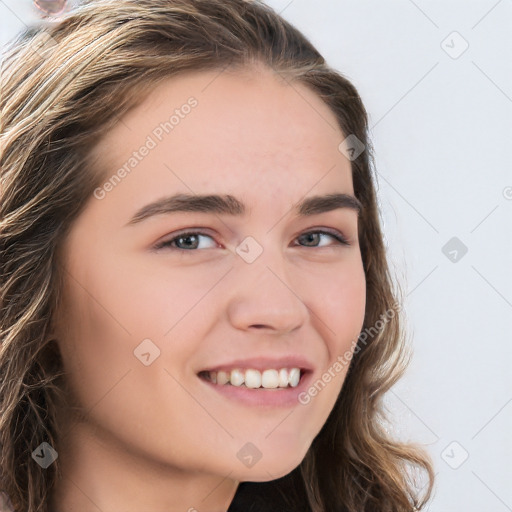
(180, 233)
(338, 235)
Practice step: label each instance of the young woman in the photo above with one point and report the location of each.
(196, 308)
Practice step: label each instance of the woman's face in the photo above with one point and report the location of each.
(249, 289)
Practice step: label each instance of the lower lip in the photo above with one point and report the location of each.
(277, 397)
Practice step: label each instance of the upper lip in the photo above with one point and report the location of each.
(264, 363)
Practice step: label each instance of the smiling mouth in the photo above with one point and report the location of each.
(254, 379)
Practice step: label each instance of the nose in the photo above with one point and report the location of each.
(262, 296)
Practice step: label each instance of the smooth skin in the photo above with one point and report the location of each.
(156, 437)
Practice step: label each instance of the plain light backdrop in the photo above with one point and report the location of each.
(436, 79)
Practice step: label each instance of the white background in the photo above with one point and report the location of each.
(441, 126)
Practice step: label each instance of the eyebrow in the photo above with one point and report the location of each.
(230, 205)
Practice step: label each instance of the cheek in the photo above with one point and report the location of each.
(96, 346)
(342, 306)
(115, 301)
(110, 309)
(340, 302)
(158, 296)
(135, 402)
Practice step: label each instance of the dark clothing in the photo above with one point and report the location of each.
(251, 497)
(265, 497)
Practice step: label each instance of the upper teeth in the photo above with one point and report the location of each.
(254, 378)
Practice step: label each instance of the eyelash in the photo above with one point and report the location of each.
(166, 244)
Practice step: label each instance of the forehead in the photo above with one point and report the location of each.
(215, 131)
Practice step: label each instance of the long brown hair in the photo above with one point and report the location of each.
(63, 85)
